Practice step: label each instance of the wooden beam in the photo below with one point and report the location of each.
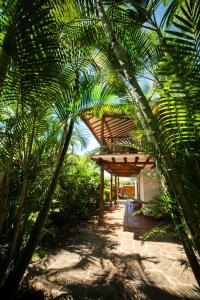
(91, 129)
(125, 159)
(118, 171)
(136, 159)
(106, 123)
(121, 131)
(88, 117)
(97, 121)
(101, 200)
(122, 164)
(102, 131)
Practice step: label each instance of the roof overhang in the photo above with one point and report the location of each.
(117, 129)
(124, 165)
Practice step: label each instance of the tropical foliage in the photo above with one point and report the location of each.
(77, 195)
(166, 55)
(61, 58)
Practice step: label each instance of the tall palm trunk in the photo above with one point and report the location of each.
(13, 280)
(178, 187)
(187, 245)
(19, 211)
(4, 62)
(6, 181)
(3, 200)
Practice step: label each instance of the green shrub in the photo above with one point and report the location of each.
(78, 191)
(159, 207)
(106, 195)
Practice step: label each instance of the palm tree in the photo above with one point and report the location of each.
(50, 75)
(72, 85)
(173, 125)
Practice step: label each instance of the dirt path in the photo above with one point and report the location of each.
(112, 264)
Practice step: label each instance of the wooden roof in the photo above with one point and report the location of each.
(112, 131)
(116, 128)
(124, 165)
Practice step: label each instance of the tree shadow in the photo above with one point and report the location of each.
(119, 276)
(140, 224)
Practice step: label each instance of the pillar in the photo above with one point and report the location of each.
(111, 193)
(101, 198)
(136, 188)
(117, 187)
(115, 190)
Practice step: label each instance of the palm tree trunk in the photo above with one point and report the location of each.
(4, 62)
(18, 214)
(13, 280)
(63, 139)
(3, 199)
(187, 245)
(178, 187)
(193, 261)
(6, 181)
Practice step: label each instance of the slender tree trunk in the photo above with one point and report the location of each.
(13, 280)
(65, 130)
(4, 63)
(178, 186)
(6, 183)
(193, 261)
(187, 245)
(19, 211)
(20, 238)
(3, 199)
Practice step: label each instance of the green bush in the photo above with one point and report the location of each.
(159, 207)
(106, 195)
(78, 191)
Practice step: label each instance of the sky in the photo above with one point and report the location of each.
(92, 144)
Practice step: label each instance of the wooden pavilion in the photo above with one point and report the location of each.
(114, 133)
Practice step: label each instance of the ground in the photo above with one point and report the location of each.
(111, 263)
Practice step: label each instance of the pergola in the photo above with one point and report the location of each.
(114, 132)
(124, 165)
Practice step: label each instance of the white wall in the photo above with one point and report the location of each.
(149, 186)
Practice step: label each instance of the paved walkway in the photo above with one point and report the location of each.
(109, 263)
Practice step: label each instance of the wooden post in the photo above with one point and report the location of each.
(117, 187)
(101, 196)
(115, 190)
(111, 194)
(138, 189)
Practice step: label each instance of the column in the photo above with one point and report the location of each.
(115, 190)
(101, 198)
(136, 188)
(111, 193)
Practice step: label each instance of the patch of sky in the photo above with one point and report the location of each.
(91, 144)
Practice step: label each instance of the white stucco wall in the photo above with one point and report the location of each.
(149, 186)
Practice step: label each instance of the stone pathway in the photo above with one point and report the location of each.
(109, 263)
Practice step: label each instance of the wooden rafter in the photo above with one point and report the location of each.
(111, 130)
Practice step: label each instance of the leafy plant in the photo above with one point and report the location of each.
(160, 206)
(77, 195)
